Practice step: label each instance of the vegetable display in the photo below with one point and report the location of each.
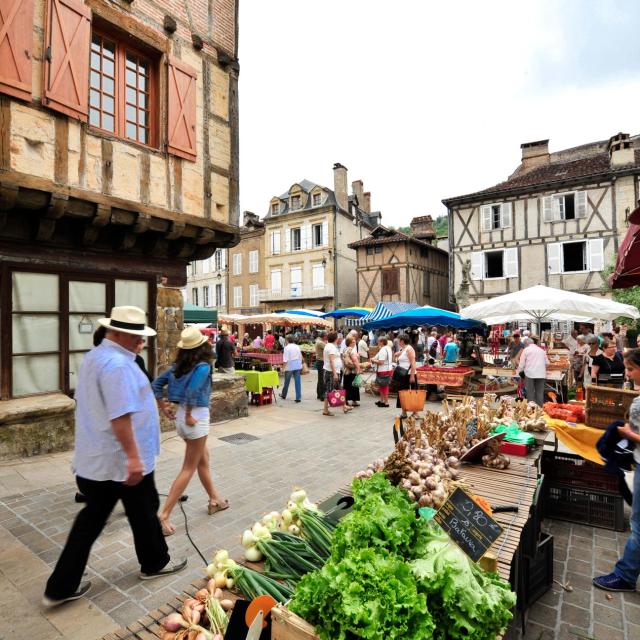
(465, 601)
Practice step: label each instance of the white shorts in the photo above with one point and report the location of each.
(199, 430)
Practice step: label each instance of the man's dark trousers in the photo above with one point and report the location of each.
(320, 383)
(141, 503)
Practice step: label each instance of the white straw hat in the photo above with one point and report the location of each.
(128, 320)
(191, 338)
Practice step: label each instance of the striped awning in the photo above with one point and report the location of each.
(388, 309)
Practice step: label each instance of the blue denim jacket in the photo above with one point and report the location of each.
(192, 389)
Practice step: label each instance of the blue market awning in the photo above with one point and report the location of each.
(348, 312)
(419, 316)
(386, 310)
(303, 312)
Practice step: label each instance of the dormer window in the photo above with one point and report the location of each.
(295, 203)
(317, 199)
(275, 208)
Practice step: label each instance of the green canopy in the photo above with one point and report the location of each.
(193, 313)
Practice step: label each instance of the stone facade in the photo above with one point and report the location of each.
(557, 221)
(208, 282)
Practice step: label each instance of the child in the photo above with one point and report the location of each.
(189, 384)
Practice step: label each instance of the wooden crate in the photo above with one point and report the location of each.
(605, 404)
(286, 625)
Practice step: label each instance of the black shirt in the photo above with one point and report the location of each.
(224, 353)
(608, 368)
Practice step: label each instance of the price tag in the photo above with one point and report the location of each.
(468, 524)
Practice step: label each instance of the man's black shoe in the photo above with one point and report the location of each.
(83, 589)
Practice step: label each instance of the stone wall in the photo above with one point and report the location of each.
(169, 324)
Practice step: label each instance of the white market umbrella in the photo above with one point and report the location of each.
(286, 319)
(539, 303)
(524, 317)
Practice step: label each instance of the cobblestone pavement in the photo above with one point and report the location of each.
(295, 445)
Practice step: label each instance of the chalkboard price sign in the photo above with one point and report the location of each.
(468, 525)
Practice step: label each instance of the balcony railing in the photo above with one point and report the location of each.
(295, 292)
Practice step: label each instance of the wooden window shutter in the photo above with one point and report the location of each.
(16, 46)
(181, 114)
(390, 282)
(66, 58)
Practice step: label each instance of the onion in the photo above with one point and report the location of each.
(252, 554)
(174, 622)
(227, 604)
(230, 584)
(217, 594)
(248, 539)
(286, 517)
(221, 556)
(211, 570)
(211, 586)
(298, 496)
(221, 580)
(202, 595)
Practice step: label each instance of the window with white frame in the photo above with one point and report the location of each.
(502, 263)
(206, 265)
(275, 242)
(295, 202)
(571, 257)
(194, 295)
(275, 208)
(296, 281)
(220, 297)
(237, 297)
(316, 235)
(237, 264)
(296, 239)
(496, 216)
(193, 268)
(565, 206)
(253, 261)
(276, 280)
(317, 275)
(206, 298)
(317, 199)
(218, 260)
(254, 298)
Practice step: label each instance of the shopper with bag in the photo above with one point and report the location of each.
(351, 367)
(334, 395)
(383, 361)
(404, 375)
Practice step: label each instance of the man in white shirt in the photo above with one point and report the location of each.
(116, 443)
(570, 342)
(292, 358)
(534, 361)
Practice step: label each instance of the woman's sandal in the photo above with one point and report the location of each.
(328, 413)
(167, 528)
(214, 507)
(347, 409)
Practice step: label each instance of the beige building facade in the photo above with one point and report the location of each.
(208, 281)
(308, 229)
(558, 220)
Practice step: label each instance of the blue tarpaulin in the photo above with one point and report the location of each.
(421, 316)
(386, 310)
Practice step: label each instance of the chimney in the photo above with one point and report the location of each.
(357, 188)
(620, 150)
(340, 186)
(366, 202)
(422, 228)
(248, 217)
(534, 154)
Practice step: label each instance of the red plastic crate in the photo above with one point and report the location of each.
(514, 448)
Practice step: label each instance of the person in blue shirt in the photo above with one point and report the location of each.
(189, 384)
(451, 351)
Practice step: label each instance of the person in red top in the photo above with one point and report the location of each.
(269, 340)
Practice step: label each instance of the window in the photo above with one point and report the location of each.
(426, 283)
(318, 276)
(495, 216)
(220, 297)
(237, 264)
(122, 88)
(194, 295)
(253, 261)
(567, 257)
(193, 266)
(296, 282)
(378, 249)
(206, 300)
(390, 282)
(237, 297)
(275, 242)
(316, 234)
(369, 251)
(254, 295)
(206, 265)
(296, 239)
(276, 280)
(565, 206)
(317, 199)
(218, 260)
(275, 208)
(494, 264)
(295, 203)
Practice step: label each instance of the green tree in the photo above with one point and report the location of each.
(441, 226)
(630, 295)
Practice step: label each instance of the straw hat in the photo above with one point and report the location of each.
(128, 320)
(191, 338)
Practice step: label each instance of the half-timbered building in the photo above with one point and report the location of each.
(392, 265)
(118, 166)
(556, 221)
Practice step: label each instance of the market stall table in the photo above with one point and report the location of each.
(256, 381)
(273, 358)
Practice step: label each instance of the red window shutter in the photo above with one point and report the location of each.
(16, 45)
(66, 67)
(181, 112)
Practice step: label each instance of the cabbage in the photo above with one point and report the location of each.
(464, 600)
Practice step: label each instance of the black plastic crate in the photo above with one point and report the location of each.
(530, 536)
(537, 571)
(568, 469)
(584, 506)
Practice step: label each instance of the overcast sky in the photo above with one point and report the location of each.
(424, 99)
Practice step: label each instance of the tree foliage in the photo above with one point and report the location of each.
(630, 295)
